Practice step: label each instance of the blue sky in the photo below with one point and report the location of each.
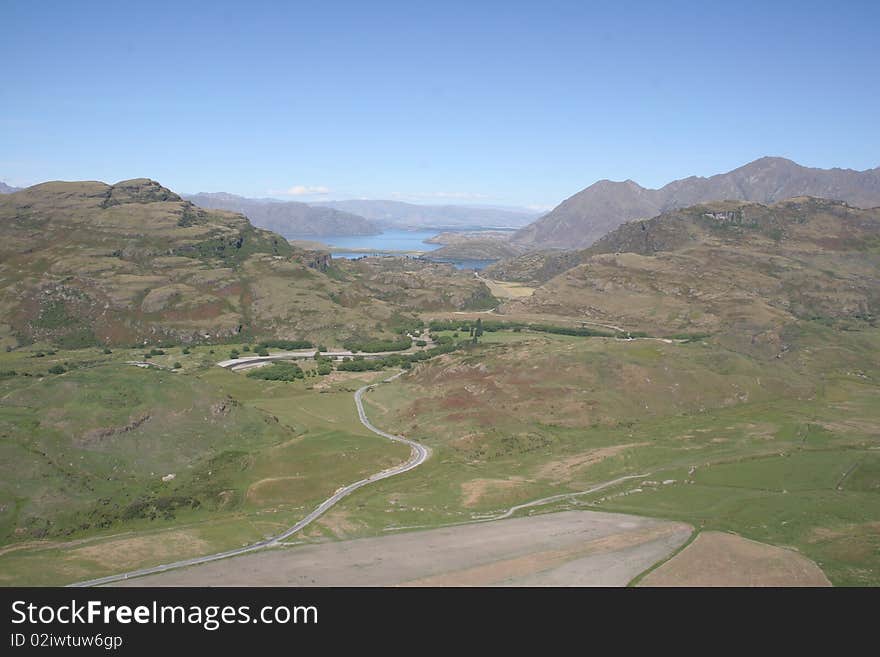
(517, 103)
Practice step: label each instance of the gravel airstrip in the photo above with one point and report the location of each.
(572, 548)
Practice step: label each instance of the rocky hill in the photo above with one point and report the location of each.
(582, 219)
(738, 267)
(472, 245)
(85, 263)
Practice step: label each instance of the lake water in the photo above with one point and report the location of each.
(389, 240)
(395, 240)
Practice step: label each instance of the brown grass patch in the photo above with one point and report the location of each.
(565, 469)
(473, 492)
(340, 523)
(123, 554)
(719, 559)
(274, 489)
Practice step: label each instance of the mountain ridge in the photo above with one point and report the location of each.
(291, 219)
(585, 217)
(743, 267)
(399, 214)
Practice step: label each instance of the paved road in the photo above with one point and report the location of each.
(245, 362)
(419, 453)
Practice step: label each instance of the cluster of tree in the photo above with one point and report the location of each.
(55, 369)
(571, 330)
(375, 345)
(476, 328)
(287, 345)
(361, 364)
(405, 361)
(469, 326)
(285, 371)
(325, 364)
(401, 324)
(687, 337)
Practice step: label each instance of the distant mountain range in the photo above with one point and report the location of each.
(6, 189)
(358, 217)
(593, 212)
(398, 214)
(288, 218)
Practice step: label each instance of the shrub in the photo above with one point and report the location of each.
(287, 345)
(57, 369)
(177, 365)
(108, 350)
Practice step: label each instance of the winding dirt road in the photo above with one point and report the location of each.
(419, 454)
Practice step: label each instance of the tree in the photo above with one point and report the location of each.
(478, 330)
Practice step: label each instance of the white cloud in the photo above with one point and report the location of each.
(305, 190)
(461, 196)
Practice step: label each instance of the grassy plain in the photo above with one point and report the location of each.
(87, 456)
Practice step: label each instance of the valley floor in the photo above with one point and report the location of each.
(777, 460)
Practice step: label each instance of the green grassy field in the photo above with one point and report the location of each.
(87, 456)
(784, 451)
(781, 452)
